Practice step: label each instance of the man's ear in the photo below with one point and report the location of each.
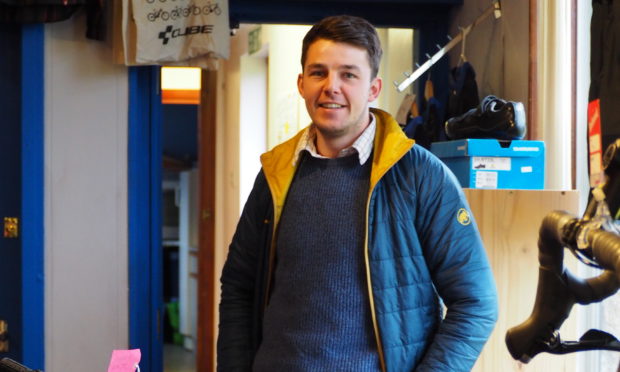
(375, 88)
(300, 84)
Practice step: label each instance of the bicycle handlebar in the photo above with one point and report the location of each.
(558, 290)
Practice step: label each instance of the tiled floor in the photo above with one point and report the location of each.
(177, 359)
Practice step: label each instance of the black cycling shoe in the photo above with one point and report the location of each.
(493, 118)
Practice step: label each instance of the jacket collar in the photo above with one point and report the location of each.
(390, 144)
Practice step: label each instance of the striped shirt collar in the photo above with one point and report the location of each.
(362, 145)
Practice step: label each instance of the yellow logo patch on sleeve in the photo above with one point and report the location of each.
(463, 217)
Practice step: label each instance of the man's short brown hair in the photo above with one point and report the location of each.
(346, 29)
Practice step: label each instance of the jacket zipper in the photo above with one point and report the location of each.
(371, 299)
(370, 293)
(272, 244)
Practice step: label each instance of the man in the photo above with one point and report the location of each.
(351, 236)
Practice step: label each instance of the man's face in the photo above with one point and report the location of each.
(337, 87)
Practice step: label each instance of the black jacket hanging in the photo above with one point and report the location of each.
(47, 11)
(463, 90)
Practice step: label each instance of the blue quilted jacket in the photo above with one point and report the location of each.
(422, 250)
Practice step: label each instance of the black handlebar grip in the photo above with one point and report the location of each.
(606, 250)
(553, 304)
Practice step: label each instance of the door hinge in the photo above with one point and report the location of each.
(4, 336)
(11, 227)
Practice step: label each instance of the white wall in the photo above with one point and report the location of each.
(253, 121)
(86, 281)
(286, 110)
(397, 44)
(584, 13)
(554, 90)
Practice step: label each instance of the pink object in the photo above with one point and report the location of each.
(124, 360)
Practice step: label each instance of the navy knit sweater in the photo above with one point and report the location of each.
(318, 317)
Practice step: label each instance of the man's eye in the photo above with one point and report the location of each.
(349, 75)
(316, 73)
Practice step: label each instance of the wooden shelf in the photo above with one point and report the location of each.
(509, 221)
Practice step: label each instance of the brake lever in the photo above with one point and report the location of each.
(593, 339)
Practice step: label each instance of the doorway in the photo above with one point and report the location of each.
(162, 162)
(180, 105)
(179, 236)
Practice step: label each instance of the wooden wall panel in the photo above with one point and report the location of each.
(207, 285)
(509, 221)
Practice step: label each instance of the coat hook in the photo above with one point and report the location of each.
(427, 65)
(462, 57)
(497, 9)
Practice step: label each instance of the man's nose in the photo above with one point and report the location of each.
(332, 84)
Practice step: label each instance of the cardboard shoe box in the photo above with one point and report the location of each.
(494, 164)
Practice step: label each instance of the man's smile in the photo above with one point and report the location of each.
(331, 105)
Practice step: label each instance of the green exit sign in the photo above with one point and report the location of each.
(254, 42)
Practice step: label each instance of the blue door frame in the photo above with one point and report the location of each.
(144, 183)
(32, 201)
